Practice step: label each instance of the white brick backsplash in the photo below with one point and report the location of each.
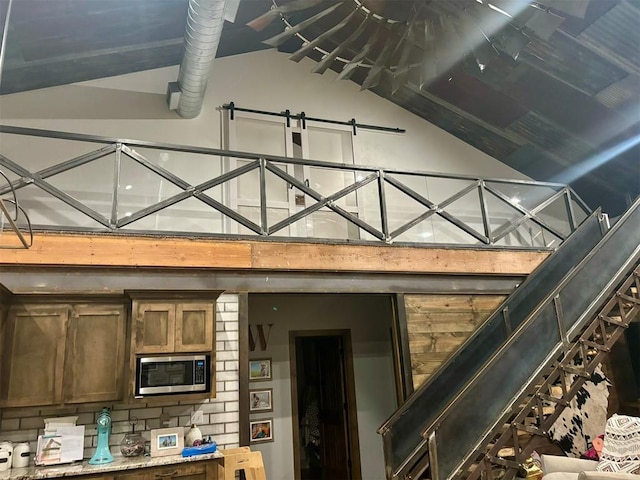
(144, 413)
(84, 418)
(10, 424)
(226, 439)
(120, 427)
(57, 412)
(227, 335)
(232, 365)
(228, 375)
(20, 412)
(179, 410)
(222, 356)
(212, 429)
(227, 396)
(231, 406)
(231, 307)
(31, 423)
(231, 326)
(19, 435)
(227, 317)
(231, 427)
(231, 345)
(220, 415)
(224, 417)
(212, 408)
(119, 415)
(151, 423)
(232, 385)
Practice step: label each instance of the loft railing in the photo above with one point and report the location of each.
(66, 183)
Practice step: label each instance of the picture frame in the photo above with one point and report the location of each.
(261, 400)
(167, 441)
(260, 369)
(261, 431)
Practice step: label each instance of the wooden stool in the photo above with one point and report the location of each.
(241, 459)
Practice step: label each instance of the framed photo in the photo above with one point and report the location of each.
(261, 400)
(261, 430)
(167, 441)
(260, 369)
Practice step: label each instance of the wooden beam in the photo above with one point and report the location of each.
(294, 256)
(122, 251)
(112, 251)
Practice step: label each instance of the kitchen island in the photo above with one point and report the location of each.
(197, 467)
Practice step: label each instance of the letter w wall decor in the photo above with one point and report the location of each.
(257, 332)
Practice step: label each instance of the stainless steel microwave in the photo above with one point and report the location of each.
(172, 374)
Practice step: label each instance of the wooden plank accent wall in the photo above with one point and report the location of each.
(123, 251)
(439, 324)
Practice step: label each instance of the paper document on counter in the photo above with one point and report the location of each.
(66, 445)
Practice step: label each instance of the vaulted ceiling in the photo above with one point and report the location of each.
(550, 88)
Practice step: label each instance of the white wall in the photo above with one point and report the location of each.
(369, 319)
(133, 106)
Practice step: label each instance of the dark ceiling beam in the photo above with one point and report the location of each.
(47, 61)
(612, 57)
(87, 66)
(510, 136)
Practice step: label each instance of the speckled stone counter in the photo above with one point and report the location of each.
(119, 464)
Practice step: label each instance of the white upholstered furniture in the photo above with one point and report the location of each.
(566, 468)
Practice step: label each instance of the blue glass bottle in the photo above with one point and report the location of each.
(103, 454)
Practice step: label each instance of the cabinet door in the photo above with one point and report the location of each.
(33, 355)
(154, 327)
(136, 474)
(194, 327)
(94, 364)
(187, 471)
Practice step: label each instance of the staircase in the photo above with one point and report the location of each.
(496, 390)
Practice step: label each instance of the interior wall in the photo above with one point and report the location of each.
(134, 106)
(369, 319)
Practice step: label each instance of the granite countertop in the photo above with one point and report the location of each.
(120, 463)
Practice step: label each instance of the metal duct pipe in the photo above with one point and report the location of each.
(205, 19)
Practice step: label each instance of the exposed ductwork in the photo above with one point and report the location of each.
(205, 19)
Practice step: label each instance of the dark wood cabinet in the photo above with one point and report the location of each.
(95, 354)
(169, 327)
(201, 470)
(176, 325)
(33, 355)
(62, 353)
(153, 327)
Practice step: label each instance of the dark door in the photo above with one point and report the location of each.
(322, 391)
(333, 414)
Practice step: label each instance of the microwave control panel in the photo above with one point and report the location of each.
(199, 372)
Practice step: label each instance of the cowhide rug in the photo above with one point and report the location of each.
(585, 417)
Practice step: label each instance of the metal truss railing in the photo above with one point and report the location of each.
(559, 386)
(494, 220)
(12, 218)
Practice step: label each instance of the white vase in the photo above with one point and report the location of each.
(192, 436)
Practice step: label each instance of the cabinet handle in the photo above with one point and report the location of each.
(168, 474)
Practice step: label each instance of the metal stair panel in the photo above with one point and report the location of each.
(402, 431)
(486, 401)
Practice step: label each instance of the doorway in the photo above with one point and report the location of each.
(325, 427)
